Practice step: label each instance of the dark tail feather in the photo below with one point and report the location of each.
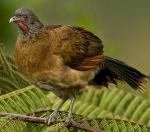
(114, 70)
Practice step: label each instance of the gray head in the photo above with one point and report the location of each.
(26, 20)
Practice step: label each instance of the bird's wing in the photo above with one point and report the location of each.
(79, 48)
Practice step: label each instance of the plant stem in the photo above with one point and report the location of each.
(40, 120)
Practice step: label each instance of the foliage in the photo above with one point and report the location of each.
(107, 109)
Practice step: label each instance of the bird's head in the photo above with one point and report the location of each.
(26, 20)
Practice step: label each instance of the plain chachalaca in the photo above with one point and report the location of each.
(66, 59)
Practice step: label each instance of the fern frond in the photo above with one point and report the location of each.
(25, 100)
(119, 102)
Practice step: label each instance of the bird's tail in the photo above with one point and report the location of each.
(114, 70)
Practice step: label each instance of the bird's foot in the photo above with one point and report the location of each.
(68, 121)
(51, 119)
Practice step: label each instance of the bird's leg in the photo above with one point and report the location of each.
(42, 85)
(52, 118)
(68, 120)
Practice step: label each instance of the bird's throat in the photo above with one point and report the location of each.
(24, 29)
(22, 26)
(29, 30)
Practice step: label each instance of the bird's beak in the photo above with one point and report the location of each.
(13, 19)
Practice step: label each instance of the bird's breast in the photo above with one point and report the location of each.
(30, 56)
(49, 68)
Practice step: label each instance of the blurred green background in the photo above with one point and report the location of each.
(124, 26)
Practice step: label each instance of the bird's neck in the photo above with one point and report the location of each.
(27, 31)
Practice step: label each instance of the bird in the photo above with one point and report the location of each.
(66, 60)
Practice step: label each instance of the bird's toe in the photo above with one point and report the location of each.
(51, 119)
(68, 121)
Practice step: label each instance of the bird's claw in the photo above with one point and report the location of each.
(51, 119)
(68, 121)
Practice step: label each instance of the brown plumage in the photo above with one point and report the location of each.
(66, 59)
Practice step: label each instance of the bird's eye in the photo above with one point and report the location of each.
(24, 16)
